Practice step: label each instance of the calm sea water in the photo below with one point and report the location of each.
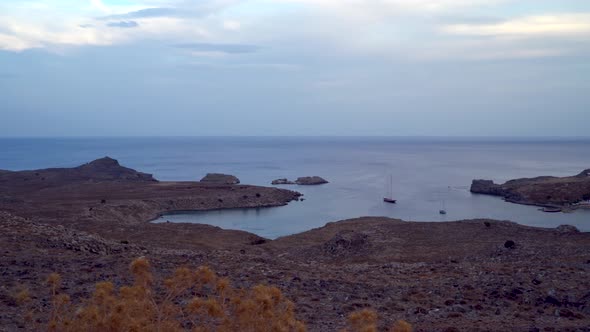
(427, 174)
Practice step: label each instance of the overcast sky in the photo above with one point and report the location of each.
(294, 67)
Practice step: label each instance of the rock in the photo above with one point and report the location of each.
(567, 229)
(486, 187)
(218, 178)
(552, 300)
(258, 241)
(420, 310)
(564, 313)
(510, 244)
(310, 180)
(459, 308)
(282, 181)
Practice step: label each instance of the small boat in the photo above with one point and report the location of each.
(443, 210)
(390, 198)
(551, 209)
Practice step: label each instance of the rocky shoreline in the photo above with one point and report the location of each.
(552, 192)
(476, 275)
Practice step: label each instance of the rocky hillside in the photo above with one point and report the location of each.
(100, 170)
(543, 191)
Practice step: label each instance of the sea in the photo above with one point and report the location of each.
(424, 174)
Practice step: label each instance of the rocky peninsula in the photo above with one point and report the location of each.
(110, 200)
(547, 191)
(89, 222)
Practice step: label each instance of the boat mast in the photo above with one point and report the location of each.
(391, 186)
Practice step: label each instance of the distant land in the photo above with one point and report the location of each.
(88, 222)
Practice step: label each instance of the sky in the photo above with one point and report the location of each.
(295, 67)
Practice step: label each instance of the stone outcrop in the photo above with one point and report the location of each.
(219, 178)
(282, 181)
(310, 180)
(487, 187)
(546, 191)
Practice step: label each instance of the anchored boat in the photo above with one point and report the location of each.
(390, 198)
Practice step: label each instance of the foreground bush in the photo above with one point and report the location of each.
(190, 300)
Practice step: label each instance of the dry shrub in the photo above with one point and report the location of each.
(190, 300)
(366, 320)
(401, 326)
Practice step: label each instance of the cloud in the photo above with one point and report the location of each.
(231, 25)
(562, 24)
(12, 43)
(99, 5)
(123, 24)
(145, 13)
(468, 19)
(203, 48)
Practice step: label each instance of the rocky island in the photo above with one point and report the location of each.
(302, 181)
(282, 181)
(310, 180)
(547, 191)
(88, 223)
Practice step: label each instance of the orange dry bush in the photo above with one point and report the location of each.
(366, 320)
(401, 326)
(191, 300)
(363, 321)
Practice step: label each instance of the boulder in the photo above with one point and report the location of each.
(509, 244)
(218, 178)
(282, 181)
(310, 180)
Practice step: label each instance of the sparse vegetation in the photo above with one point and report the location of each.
(190, 300)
